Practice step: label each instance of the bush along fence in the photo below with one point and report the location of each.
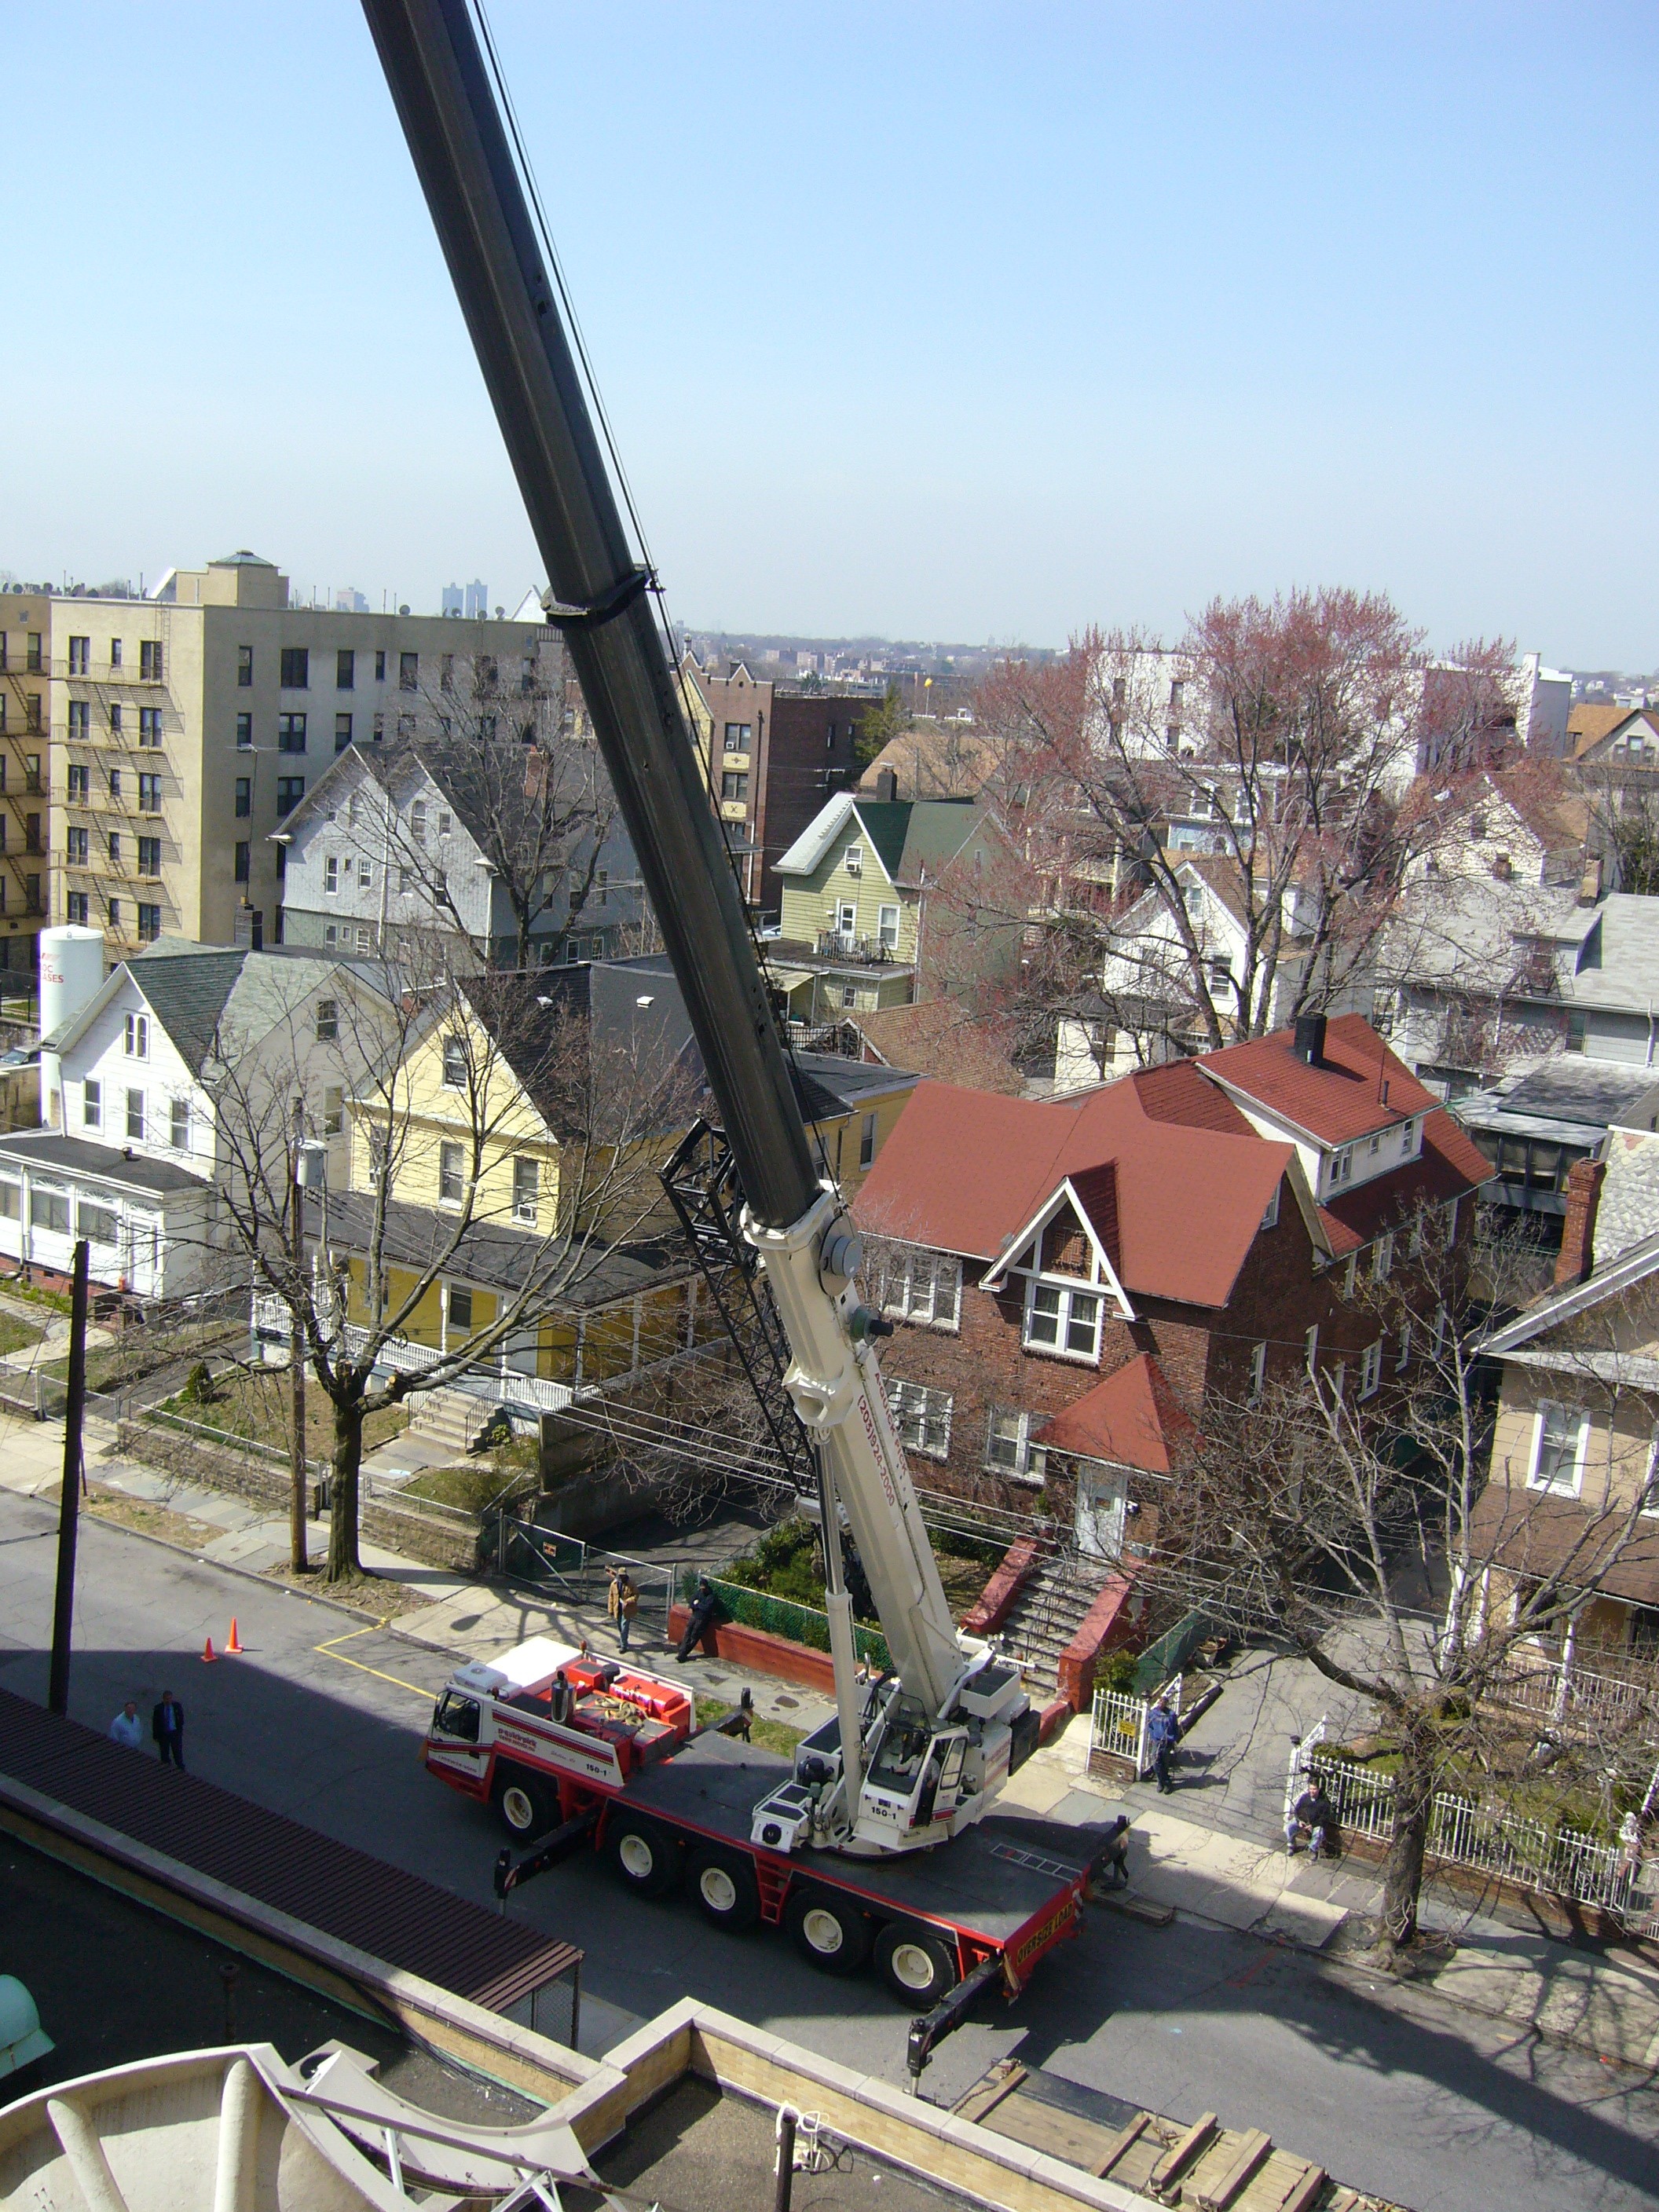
(783, 1616)
(1621, 1879)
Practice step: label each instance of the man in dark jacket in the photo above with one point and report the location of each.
(166, 1725)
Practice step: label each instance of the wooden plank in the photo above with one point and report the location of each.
(1252, 2150)
(1186, 2152)
(1137, 1908)
(1048, 2128)
(1273, 2182)
(1303, 2199)
(1004, 2078)
(1120, 2142)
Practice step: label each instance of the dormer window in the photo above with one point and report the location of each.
(1062, 1321)
(1340, 1168)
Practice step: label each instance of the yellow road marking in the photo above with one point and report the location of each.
(350, 1637)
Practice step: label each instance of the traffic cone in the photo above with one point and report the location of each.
(232, 1649)
(210, 1653)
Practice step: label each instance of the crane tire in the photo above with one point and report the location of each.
(830, 1932)
(724, 1887)
(528, 1807)
(917, 1965)
(644, 1858)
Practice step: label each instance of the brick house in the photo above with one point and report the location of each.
(1076, 1281)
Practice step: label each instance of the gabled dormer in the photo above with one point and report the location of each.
(1066, 1258)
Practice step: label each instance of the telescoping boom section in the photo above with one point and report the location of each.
(942, 1732)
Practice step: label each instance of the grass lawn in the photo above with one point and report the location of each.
(138, 1352)
(258, 1403)
(784, 1562)
(472, 1484)
(15, 1335)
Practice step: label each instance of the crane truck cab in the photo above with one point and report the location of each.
(526, 1729)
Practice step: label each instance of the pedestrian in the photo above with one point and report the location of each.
(1313, 1811)
(126, 1728)
(166, 1725)
(1114, 1854)
(623, 1604)
(1164, 1732)
(704, 1605)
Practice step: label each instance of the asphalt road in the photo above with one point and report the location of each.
(1394, 2092)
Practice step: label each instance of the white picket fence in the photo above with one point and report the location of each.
(1118, 1723)
(1563, 1693)
(1488, 1839)
(494, 1380)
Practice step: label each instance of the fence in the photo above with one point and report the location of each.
(1167, 1657)
(784, 1616)
(577, 1571)
(1556, 1690)
(497, 1382)
(1489, 1840)
(1118, 1724)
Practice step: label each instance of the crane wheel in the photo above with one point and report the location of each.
(528, 1808)
(645, 1861)
(830, 1932)
(724, 1887)
(917, 1966)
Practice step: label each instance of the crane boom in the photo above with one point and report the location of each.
(441, 90)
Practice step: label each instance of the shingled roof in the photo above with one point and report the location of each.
(1133, 1419)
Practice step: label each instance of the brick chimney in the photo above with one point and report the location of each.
(1584, 1181)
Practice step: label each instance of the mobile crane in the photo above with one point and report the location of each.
(918, 1759)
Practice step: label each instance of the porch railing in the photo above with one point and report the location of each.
(494, 1380)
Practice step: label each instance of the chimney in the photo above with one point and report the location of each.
(1589, 884)
(1584, 1181)
(887, 783)
(1309, 1046)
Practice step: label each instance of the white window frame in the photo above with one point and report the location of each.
(330, 874)
(1350, 1275)
(1029, 1461)
(853, 860)
(1383, 1256)
(136, 1136)
(456, 1045)
(526, 1189)
(137, 1036)
(921, 1417)
(92, 1104)
(1405, 1359)
(1270, 1218)
(444, 1151)
(1339, 1168)
(1068, 1295)
(1310, 1348)
(921, 1285)
(365, 875)
(847, 918)
(1553, 1486)
(178, 1122)
(1439, 1339)
(1258, 1372)
(334, 1110)
(868, 1131)
(887, 926)
(1371, 1369)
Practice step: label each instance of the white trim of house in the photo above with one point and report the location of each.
(1102, 1276)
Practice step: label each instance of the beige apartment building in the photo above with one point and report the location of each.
(25, 661)
(183, 727)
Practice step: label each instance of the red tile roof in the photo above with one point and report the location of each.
(1451, 1163)
(1337, 1099)
(964, 1171)
(1095, 1189)
(1133, 1419)
(1177, 1092)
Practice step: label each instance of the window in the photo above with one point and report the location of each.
(1311, 1347)
(10, 1199)
(417, 822)
(1383, 1256)
(150, 856)
(921, 1285)
(1577, 1025)
(92, 1104)
(115, 913)
(80, 722)
(244, 732)
(341, 733)
(1257, 1372)
(366, 875)
(179, 1124)
(887, 921)
(1340, 1167)
(330, 933)
(328, 1021)
(290, 733)
(444, 825)
(1350, 1275)
(1270, 1218)
(365, 938)
(150, 726)
(454, 1063)
(1405, 1359)
(345, 670)
(526, 1180)
(76, 907)
(31, 654)
(333, 1109)
(150, 794)
(149, 660)
(1008, 1444)
(115, 653)
(732, 785)
(149, 923)
(738, 737)
(1370, 1367)
(297, 668)
(409, 670)
(853, 860)
(79, 652)
(921, 1417)
(379, 666)
(1063, 1320)
(97, 1224)
(137, 1036)
(244, 860)
(450, 1182)
(331, 873)
(1561, 1434)
(867, 1141)
(244, 669)
(76, 848)
(461, 1310)
(1438, 1343)
(80, 785)
(136, 1116)
(405, 878)
(290, 790)
(50, 1209)
(1408, 1136)
(445, 672)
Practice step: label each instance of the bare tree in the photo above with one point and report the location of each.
(456, 1076)
(1427, 1590)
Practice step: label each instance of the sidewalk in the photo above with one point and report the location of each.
(473, 1619)
(1606, 2004)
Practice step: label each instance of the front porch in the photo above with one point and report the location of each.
(147, 1222)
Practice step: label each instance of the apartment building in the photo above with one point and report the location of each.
(183, 727)
(25, 663)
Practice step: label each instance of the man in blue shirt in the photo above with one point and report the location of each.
(1164, 1733)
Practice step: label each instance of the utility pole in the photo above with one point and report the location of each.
(69, 1510)
(299, 1557)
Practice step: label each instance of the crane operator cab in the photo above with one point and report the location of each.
(924, 1780)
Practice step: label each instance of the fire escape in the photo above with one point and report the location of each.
(23, 733)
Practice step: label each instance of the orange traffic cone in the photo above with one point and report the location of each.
(210, 1653)
(232, 1649)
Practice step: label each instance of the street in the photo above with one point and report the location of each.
(1394, 2092)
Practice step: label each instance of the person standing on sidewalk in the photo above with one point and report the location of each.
(623, 1604)
(1164, 1733)
(166, 1725)
(126, 1728)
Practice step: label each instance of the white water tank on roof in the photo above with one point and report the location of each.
(71, 971)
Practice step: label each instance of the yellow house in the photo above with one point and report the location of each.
(851, 1107)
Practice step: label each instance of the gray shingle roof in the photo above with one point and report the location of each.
(187, 994)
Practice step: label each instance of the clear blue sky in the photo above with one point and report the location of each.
(953, 322)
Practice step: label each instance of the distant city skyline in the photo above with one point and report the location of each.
(984, 323)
